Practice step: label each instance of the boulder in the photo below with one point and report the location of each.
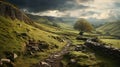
(44, 64)
(72, 60)
(1, 63)
(15, 55)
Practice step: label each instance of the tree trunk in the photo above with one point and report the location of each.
(81, 33)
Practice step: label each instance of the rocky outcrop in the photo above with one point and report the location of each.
(9, 11)
(33, 47)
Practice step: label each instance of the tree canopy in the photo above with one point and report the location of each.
(83, 25)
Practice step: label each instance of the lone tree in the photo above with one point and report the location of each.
(83, 26)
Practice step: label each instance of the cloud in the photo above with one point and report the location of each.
(54, 13)
(98, 9)
(44, 5)
(39, 5)
(117, 4)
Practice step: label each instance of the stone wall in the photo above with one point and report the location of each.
(106, 50)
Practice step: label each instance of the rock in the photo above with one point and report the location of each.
(72, 60)
(56, 56)
(31, 53)
(6, 63)
(9, 55)
(9, 10)
(35, 48)
(81, 38)
(44, 64)
(1, 63)
(15, 55)
(105, 49)
(49, 60)
(5, 60)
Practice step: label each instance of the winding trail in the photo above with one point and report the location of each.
(54, 60)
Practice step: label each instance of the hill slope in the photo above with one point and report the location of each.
(17, 33)
(54, 21)
(112, 28)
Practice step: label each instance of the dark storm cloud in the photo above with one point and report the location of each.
(43, 5)
(74, 6)
(84, 0)
(39, 5)
(117, 4)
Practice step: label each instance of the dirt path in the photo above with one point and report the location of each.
(54, 60)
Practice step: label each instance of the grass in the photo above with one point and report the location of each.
(78, 54)
(114, 42)
(83, 59)
(110, 28)
(12, 39)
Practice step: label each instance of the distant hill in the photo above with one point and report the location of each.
(53, 19)
(112, 28)
(45, 19)
(62, 22)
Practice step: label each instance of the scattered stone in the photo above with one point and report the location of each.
(56, 56)
(33, 46)
(5, 60)
(9, 55)
(72, 60)
(1, 63)
(15, 55)
(44, 64)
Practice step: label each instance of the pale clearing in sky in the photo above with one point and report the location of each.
(98, 9)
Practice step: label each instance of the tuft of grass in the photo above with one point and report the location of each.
(78, 54)
(114, 42)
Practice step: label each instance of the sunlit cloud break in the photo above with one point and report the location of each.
(97, 9)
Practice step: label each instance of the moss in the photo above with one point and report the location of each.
(112, 42)
(76, 54)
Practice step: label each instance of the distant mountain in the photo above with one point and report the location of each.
(53, 19)
(68, 20)
(10, 11)
(97, 22)
(44, 19)
(112, 28)
(60, 22)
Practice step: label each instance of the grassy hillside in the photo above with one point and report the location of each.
(15, 34)
(110, 28)
(113, 42)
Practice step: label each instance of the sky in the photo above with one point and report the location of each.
(88, 9)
